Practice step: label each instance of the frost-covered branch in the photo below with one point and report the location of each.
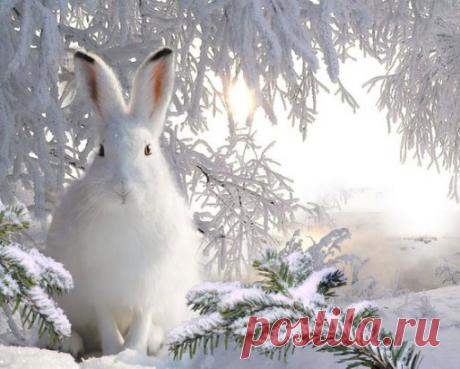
(242, 198)
(419, 43)
(279, 47)
(448, 274)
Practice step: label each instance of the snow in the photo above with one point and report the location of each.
(8, 286)
(306, 292)
(37, 266)
(25, 358)
(444, 303)
(11, 217)
(232, 299)
(196, 326)
(53, 271)
(206, 291)
(363, 305)
(49, 309)
(130, 359)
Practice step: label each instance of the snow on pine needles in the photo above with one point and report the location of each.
(28, 279)
(291, 287)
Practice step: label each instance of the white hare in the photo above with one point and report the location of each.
(123, 230)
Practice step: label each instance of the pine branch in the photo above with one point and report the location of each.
(380, 357)
(28, 279)
(289, 288)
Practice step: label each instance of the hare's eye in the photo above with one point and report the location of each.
(101, 150)
(147, 150)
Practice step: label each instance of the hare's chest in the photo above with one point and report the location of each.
(120, 240)
(125, 256)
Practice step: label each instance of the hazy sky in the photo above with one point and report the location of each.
(344, 150)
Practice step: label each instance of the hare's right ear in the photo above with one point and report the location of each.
(100, 85)
(152, 89)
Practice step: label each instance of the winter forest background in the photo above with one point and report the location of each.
(248, 72)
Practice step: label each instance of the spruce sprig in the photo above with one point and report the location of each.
(28, 279)
(225, 308)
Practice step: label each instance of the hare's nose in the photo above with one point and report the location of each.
(122, 188)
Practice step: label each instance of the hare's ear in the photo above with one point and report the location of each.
(100, 84)
(152, 89)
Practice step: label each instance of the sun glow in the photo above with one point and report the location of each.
(241, 100)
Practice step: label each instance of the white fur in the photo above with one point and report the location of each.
(123, 230)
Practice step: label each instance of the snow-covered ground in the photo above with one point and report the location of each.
(443, 303)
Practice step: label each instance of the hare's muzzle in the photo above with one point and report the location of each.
(122, 189)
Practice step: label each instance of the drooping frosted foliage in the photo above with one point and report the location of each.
(419, 42)
(278, 46)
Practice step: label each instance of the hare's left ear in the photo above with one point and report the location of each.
(152, 89)
(100, 85)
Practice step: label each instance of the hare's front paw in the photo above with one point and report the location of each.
(111, 338)
(139, 331)
(111, 346)
(155, 344)
(73, 345)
